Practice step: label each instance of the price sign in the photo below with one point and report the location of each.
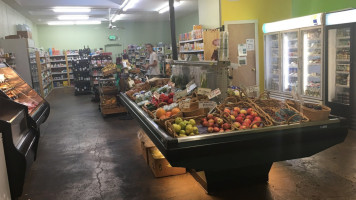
(207, 104)
(184, 104)
(180, 94)
(156, 95)
(214, 93)
(191, 87)
(204, 91)
(189, 84)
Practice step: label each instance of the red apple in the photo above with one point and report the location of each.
(211, 124)
(222, 130)
(211, 121)
(226, 126)
(235, 113)
(250, 117)
(239, 119)
(210, 116)
(232, 117)
(210, 129)
(243, 111)
(241, 115)
(249, 111)
(257, 119)
(254, 114)
(220, 121)
(216, 129)
(247, 121)
(205, 123)
(254, 126)
(242, 127)
(236, 125)
(227, 110)
(237, 109)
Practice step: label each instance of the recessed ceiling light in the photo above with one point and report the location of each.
(130, 5)
(61, 23)
(72, 9)
(74, 22)
(166, 8)
(73, 17)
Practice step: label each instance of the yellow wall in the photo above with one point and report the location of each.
(262, 10)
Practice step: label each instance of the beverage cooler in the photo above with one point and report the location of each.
(294, 58)
(21, 114)
(340, 59)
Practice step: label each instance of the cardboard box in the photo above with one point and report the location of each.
(146, 143)
(12, 37)
(160, 165)
(24, 34)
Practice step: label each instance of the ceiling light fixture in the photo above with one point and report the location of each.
(124, 4)
(130, 4)
(116, 18)
(166, 8)
(73, 17)
(72, 9)
(53, 23)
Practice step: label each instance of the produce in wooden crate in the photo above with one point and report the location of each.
(242, 118)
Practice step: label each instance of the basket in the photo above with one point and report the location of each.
(316, 115)
(150, 113)
(162, 122)
(273, 106)
(241, 97)
(194, 109)
(108, 90)
(266, 121)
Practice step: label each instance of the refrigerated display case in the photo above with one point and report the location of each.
(340, 51)
(243, 156)
(21, 114)
(294, 58)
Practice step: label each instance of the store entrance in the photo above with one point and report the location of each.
(243, 52)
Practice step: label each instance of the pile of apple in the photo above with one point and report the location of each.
(215, 124)
(243, 118)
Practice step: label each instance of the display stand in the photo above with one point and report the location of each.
(108, 94)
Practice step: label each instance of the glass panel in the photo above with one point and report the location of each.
(290, 61)
(312, 62)
(339, 65)
(273, 68)
(18, 90)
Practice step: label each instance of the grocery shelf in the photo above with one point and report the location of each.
(339, 72)
(341, 38)
(188, 41)
(343, 46)
(58, 73)
(58, 67)
(57, 56)
(64, 79)
(192, 51)
(54, 61)
(343, 60)
(72, 54)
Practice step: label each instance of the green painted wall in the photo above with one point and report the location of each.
(308, 7)
(185, 24)
(96, 36)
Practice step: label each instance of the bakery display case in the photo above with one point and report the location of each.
(21, 114)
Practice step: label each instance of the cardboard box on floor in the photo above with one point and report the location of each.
(159, 165)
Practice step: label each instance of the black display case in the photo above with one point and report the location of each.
(218, 159)
(21, 114)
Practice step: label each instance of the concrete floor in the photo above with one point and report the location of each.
(83, 156)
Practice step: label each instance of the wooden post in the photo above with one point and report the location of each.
(172, 21)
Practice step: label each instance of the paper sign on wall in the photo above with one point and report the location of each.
(250, 44)
(242, 51)
(242, 60)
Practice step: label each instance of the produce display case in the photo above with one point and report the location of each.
(240, 156)
(21, 114)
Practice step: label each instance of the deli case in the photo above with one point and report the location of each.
(294, 58)
(241, 156)
(21, 114)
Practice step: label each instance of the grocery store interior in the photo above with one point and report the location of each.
(177, 99)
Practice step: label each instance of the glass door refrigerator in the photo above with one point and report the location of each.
(340, 60)
(294, 58)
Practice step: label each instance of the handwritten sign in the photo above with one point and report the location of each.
(180, 94)
(184, 104)
(204, 91)
(191, 87)
(214, 93)
(207, 104)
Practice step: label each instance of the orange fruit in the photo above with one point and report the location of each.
(160, 112)
(163, 117)
(175, 111)
(168, 114)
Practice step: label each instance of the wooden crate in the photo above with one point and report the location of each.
(113, 110)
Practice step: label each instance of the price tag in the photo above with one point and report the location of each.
(156, 95)
(204, 91)
(191, 87)
(207, 104)
(189, 84)
(214, 93)
(180, 94)
(184, 104)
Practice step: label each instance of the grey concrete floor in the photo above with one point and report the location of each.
(83, 156)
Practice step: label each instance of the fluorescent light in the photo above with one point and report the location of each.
(166, 8)
(299, 22)
(87, 22)
(73, 22)
(116, 18)
(61, 23)
(71, 9)
(124, 4)
(130, 5)
(342, 17)
(73, 17)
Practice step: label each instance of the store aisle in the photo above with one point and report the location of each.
(83, 156)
